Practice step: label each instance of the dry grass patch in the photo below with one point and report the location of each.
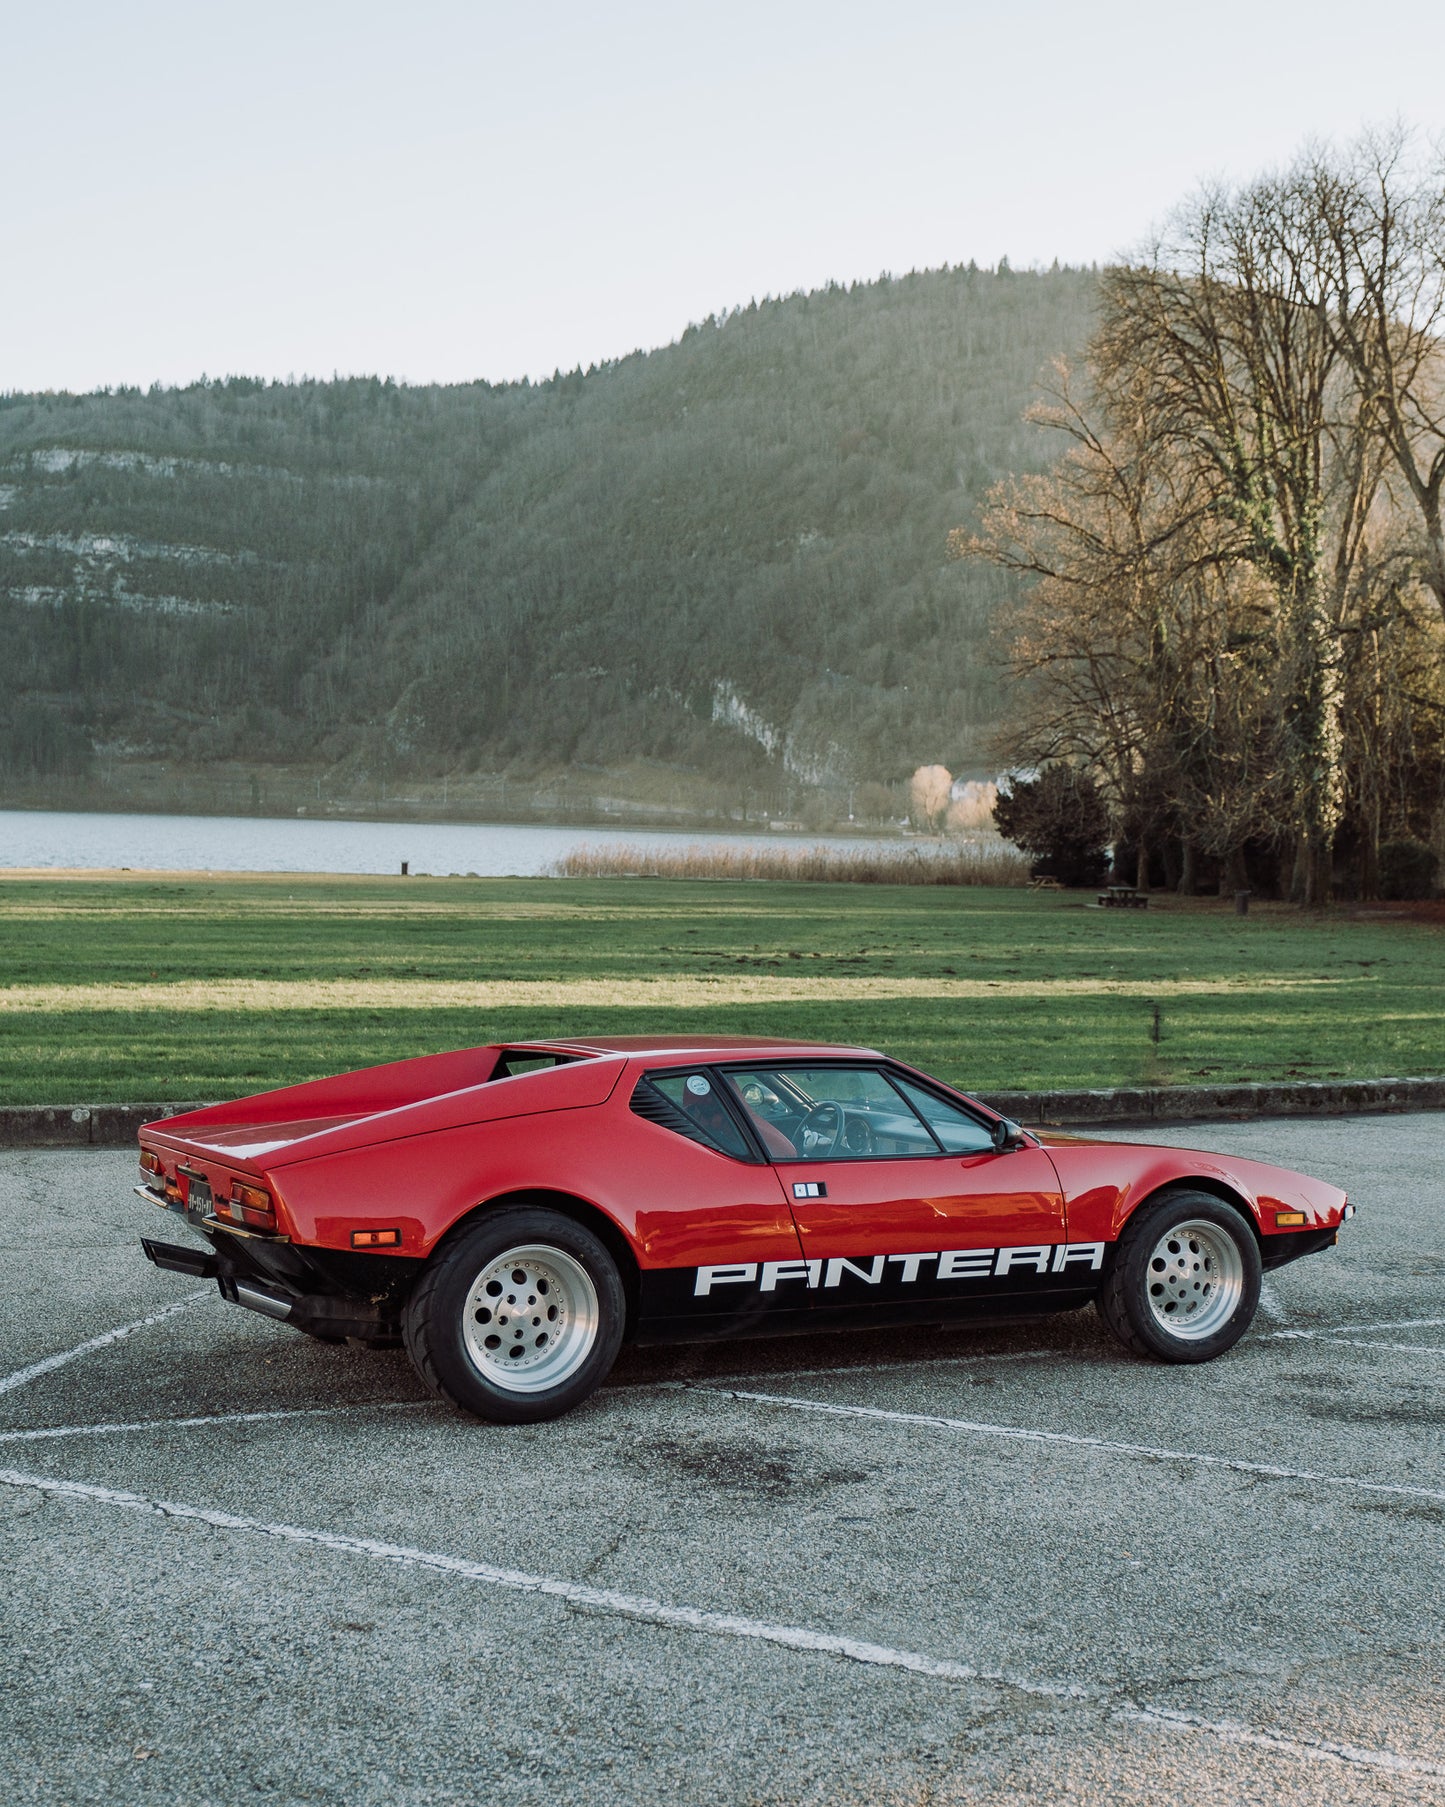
(952, 863)
(700, 991)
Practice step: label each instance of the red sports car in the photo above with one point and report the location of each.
(514, 1213)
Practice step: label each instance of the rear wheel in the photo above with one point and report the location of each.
(519, 1318)
(1184, 1284)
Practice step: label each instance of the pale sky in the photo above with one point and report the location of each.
(436, 190)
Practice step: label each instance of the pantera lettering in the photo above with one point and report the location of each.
(952, 1264)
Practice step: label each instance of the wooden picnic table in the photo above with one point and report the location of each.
(1123, 897)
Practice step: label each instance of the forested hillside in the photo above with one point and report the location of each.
(725, 560)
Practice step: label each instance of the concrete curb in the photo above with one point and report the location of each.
(1224, 1103)
(115, 1125)
(79, 1126)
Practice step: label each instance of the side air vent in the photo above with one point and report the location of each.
(700, 1114)
(648, 1102)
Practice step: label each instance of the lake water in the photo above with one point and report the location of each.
(59, 838)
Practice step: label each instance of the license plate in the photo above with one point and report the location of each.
(199, 1200)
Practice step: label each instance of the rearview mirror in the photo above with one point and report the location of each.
(1006, 1135)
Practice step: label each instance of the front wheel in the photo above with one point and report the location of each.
(1184, 1283)
(519, 1318)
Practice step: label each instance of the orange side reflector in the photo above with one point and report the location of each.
(375, 1239)
(1289, 1220)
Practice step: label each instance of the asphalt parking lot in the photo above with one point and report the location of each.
(987, 1566)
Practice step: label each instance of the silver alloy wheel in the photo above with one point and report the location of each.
(1195, 1280)
(530, 1319)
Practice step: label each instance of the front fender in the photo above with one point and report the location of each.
(1105, 1183)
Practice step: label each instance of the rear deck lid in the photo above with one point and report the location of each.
(242, 1135)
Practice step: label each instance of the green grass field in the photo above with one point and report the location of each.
(148, 988)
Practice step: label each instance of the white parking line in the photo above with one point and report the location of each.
(888, 1367)
(898, 1362)
(1020, 1434)
(1315, 1749)
(1269, 1303)
(22, 1376)
(1342, 1329)
(607, 1600)
(184, 1424)
(1355, 1342)
(716, 1624)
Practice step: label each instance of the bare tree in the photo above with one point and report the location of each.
(1380, 215)
(1218, 336)
(1144, 642)
(1230, 561)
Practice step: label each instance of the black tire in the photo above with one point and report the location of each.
(1206, 1284)
(450, 1317)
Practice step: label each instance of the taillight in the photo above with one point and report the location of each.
(251, 1206)
(154, 1173)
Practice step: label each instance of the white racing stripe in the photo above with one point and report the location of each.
(1020, 1434)
(185, 1424)
(1315, 1749)
(716, 1624)
(22, 1376)
(606, 1600)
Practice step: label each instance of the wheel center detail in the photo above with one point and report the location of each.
(1195, 1280)
(530, 1318)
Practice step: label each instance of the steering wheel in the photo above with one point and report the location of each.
(821, 1123)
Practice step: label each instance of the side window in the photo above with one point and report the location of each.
(689, 1105)
(829, 1113)
(956, 1129)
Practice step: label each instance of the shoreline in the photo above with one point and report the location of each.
(423, 815)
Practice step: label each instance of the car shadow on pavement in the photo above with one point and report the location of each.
(1076, 1335)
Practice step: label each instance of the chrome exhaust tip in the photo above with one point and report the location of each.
(259, 1298)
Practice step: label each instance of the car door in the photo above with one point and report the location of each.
(900, 1195)
(709, 1216)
